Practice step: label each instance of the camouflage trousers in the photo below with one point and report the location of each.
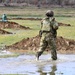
(47, 39)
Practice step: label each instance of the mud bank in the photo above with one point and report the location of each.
(63, 45)
(5, 32)
(12, 25)
(36, 18)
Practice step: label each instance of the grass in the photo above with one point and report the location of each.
(35, 25)
(10, 39)
(64, 15)
(18, 12)
(67, 32)
(11, 55)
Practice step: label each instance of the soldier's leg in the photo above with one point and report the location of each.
(52, 45)
(43, 45)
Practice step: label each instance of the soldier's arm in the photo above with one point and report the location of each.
(41, 23)
(40, 31)
(55, 24)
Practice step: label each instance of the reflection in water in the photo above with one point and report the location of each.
(52, 71)
(26, 65)
(41, 71)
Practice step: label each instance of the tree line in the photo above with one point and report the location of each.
(41, 2)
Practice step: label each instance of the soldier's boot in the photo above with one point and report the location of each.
(38, 54)
(54, 55)
(54, 58)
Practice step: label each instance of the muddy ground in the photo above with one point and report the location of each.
(5, 32)
(25, 64)
(63, 24)
(12, 25)
(36, 18)
(63, 45)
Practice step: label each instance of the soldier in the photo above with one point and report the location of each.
(48, 34)
(4, 18)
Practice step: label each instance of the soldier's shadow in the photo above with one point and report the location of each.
(52, 70)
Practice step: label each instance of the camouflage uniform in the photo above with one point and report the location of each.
(48, 28)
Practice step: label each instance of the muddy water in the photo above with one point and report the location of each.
(27, 65)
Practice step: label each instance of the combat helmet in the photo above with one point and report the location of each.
(49, 13)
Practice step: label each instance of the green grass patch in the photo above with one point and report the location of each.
(65, 31)
(20, 34)
(9, 55)
(34, 24)
(35, 12)
(63, 15)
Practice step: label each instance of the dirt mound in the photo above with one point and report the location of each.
(4, 32)
(36, 18)
(30, 18)
(33, 44)
(26, 44)
(63, 24)
(13, 25)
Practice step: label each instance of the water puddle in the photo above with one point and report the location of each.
(27, 65)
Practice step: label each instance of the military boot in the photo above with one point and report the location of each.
(37, 56)
(54, 55)
(54, 58)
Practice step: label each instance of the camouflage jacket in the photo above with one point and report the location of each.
(49, 25)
